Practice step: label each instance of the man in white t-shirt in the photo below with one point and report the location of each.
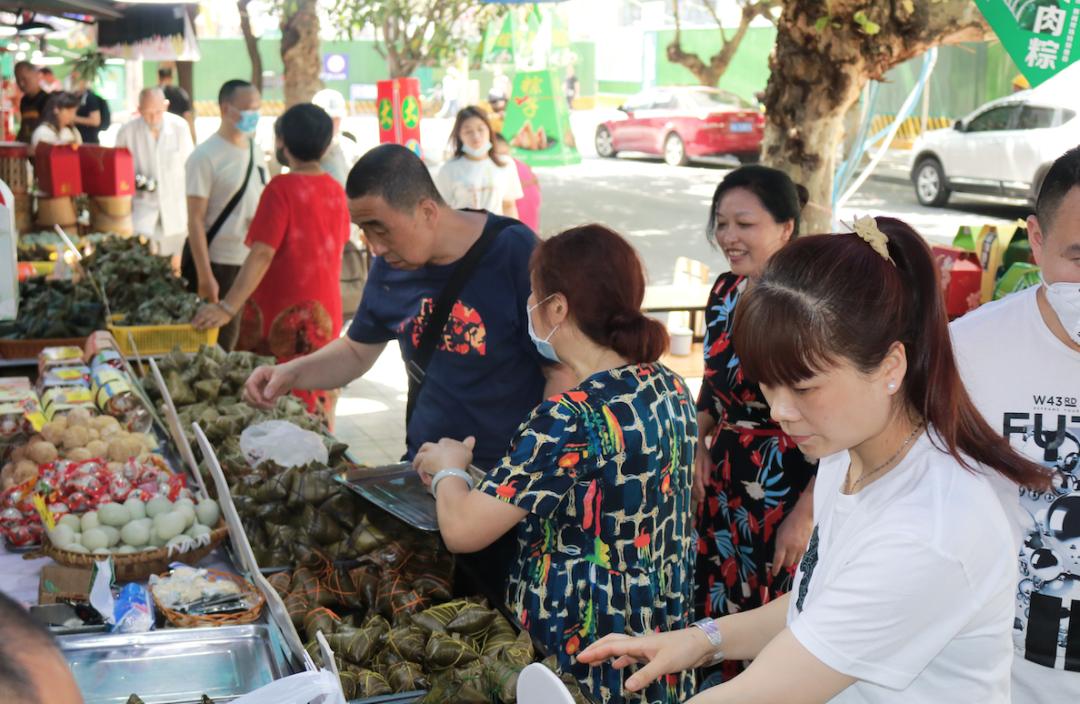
(1020, 359)
(216, 171)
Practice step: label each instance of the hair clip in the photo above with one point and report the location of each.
(868, 231)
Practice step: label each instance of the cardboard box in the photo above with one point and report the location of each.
(107, 171)
(56, 211)
(57, 169)
(60, 584)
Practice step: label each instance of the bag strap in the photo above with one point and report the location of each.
(235, 200)
(440, 314)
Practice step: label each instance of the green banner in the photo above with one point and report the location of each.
(538, 121)
(499, 41)
(1038, 34)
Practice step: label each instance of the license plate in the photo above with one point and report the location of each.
(741, 127)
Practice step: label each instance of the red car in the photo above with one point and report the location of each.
(681, 123)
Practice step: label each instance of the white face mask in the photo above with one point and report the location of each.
(1064, 298)
(477, 153)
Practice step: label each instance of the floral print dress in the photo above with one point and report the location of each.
(757, 476)
(604, 472)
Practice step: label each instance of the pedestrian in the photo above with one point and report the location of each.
(596, 482)
(571, 86)
(475, 177)
(32, 102)
(49, 82)
(92, 116)
(477, 372)
(905, 593)
(451, 94)
(289, 280)
(160, 145)
(58, 127)
(225, 178)
(1020, 358)
(34, 671)
(528, 206)
(341, 155)
(179, 101)
(752, 484)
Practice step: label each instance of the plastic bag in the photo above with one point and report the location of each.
(282, 443)
(320, 687)
(134, 610)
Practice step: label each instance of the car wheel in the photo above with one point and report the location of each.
(605, 143)
(930, 186)
(675, 151)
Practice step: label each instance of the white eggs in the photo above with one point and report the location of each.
(158, 505)
(136, 508)
(170, 525)
(208, 512)
(71, 521)
(198, 530)
(112, 533)
(89, 520)
(187, 511)
(102, 551)
(62, 535)
(124, 550)
(95, 539)
(116, 515)
(135, 534)
(75, 547)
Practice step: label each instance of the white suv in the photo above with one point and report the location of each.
(1002, 149)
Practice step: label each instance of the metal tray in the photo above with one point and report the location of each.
(174, 666)
(396, 489)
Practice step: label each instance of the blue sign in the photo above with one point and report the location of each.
(335, 67)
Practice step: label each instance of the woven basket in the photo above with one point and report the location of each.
(137, 567)
(181, 620)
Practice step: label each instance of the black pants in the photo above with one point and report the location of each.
(226, 276)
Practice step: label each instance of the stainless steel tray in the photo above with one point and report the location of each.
(174, 666)
(397, 489)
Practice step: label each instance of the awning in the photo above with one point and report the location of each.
(93, 9)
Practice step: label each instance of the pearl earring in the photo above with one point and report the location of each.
(892, 386)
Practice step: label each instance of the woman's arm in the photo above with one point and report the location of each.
(247, 280)
(510, 209)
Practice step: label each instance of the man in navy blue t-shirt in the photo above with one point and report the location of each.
(485, 375)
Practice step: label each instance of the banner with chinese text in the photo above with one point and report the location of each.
(1038, 34)
(398, 109)
(538, 121)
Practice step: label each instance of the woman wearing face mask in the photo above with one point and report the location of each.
(905, 593)
(751, 483)
(597, 480)
(287, 293)
(476, 177)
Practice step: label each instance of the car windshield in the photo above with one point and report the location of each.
(713, 99)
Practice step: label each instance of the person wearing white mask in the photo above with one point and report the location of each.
(225, 179)
(160, 144)
(476, 177)
(1020, 358)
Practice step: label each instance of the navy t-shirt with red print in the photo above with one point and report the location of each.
(485, 376)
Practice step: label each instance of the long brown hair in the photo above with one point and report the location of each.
(604, 283)
(825, 298)
(467, 113)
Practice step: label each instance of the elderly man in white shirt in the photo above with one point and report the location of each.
(160, 143)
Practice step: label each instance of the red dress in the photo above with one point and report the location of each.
(297, 307)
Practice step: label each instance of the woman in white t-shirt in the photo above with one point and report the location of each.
(58, 127)
(905, 593)
(476, 177)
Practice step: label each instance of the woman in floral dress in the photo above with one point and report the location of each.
(754, 509)
(597, 480)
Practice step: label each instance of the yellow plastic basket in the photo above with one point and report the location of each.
(160, 339)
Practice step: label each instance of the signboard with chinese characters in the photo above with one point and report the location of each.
(538, 121)
(1040, 35)
(398, 111)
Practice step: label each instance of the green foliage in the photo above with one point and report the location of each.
(89, 65)
(867, 25)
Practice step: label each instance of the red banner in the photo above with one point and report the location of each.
(398, 111)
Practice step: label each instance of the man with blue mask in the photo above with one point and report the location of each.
(1020, 359)
(225, 179)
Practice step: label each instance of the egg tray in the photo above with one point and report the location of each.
(137, 567)
(182, 620)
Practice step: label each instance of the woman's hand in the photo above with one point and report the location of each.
(210, 315)
(445, 454)
(664, 653)
(267, 384)
(794, 533)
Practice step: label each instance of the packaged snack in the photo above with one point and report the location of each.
(115, 395)
(59, 357)
(20, 414)
(75, 375)
(108, 357)
(60, 400)
(99, 341)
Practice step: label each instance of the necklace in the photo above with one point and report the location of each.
(850, 486)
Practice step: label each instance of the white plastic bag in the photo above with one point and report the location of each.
(282, 443)
(320, 687)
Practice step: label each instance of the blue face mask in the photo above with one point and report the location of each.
(249, 120)
(543, 346)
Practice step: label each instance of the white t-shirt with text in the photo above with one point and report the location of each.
(479, 185)
(1026, 383)
(215, 171)
(907, 585)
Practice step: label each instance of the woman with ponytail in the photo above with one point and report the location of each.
(905, 593)
(597, 480)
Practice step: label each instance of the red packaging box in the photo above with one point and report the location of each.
(57, 169)
(107, 171)
(961, 279)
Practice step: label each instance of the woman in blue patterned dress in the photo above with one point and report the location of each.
(597, 480)
(754, 509)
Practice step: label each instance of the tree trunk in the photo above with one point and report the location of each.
(252, 44)
(820, 66)
(300, 51)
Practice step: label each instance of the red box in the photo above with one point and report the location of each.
(961, 279)
(107, 171)
(57, 169)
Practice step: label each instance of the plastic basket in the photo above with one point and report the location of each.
(160, 339)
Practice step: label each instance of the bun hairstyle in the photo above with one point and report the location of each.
(827, 298)
(779, 195)
(603, 281)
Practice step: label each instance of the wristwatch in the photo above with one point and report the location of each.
(444, 473)
(716, 639)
